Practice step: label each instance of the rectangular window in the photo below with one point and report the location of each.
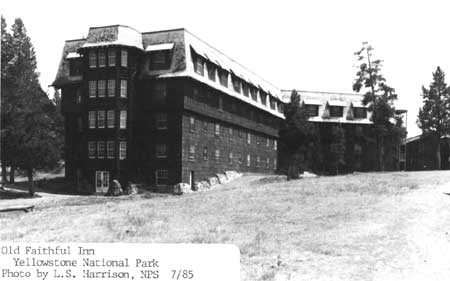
(205, 153)
(124, 58)
(78, 96)
(123, 88)
(101, 58)
(161, 150)
(230, 134)
(75, 67)
(101, 149)
(240, 133)
(217, 155)
(191, 156)
(205, 127)
(110, 149)
(100, 119)
(198, 65)
(275, 145)
(249, 138)
(223, 77)
(110, 119)
(111, 88)
(230, 157)
(92, 88)
(267, 142)
(123, 119)
(159, 90)
(159, 60)
(161, 121)
(239, 157)
(162, 177)
(101, 181)
(217, 129)
(191, 124)
(258, 160)
(122, 150)
(92, 59)
(101, 88)
(112, 57)
(272, 103)
(258, 140)
(248, 160)
(92, 119)
(211, 72)
(275, 164)
(336, 111)
(92, 149)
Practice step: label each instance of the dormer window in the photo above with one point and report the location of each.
(198, 65)
(313, 110)
(223, 77)
(159, 60)
(211, 72)
(359, 113)
(75, 67)
(245, 89)
(236, 84)
(336, 111)
(254, 93)
(263, 98)
(272, 104)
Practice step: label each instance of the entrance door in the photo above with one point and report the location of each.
(101, 181)
(191, 179)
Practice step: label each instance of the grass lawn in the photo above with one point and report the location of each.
(376, 226)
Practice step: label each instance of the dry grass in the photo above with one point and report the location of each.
(329, 228)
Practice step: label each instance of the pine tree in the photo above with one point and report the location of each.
(297, 135)
(434, 116)
(379, 97)
(337, 147)
(28, 131)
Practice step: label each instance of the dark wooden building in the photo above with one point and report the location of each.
(162, 107)
(420, 152)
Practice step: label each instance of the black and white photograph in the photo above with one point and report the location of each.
(312, 136)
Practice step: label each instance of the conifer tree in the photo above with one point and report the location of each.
(28, 129)
(434, 116)
(379, 97)
(337, 147)
(297, 135)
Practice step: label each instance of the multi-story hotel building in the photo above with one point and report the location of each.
(162, 107)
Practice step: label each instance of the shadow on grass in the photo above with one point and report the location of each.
(14, 194)
(57, 185)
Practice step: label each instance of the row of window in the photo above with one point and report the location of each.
(239, 85)
(337, 111)
(231, 133)
(106, 119)
(99, 89)
(97, 58)
(105, 149)
(231, 157)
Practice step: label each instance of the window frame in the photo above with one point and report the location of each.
(123, 119)
(161, 150)
(101, 119)
(112, 57)
(111, 88)
(101, 150)
(92, 54)
(92, 149)
(161, 121)
(110, 149)
(124, 57)
(101, 58)
(92, 88)
(122, 150)
(161, 174)
(92, 118)
(191, 153)
(110, 119)
(123, 88)
(101, 88)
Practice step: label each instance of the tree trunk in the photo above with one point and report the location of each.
(380, 152)
(4, 173)
(31, 182)
(438, 154)
(11, 174)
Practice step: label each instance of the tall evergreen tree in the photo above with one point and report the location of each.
(434, 116)
(378, 96)
(28, 129)
(297, 135)
(337, 147)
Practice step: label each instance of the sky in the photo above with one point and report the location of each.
(306, 45)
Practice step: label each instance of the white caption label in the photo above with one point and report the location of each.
(118, 261)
